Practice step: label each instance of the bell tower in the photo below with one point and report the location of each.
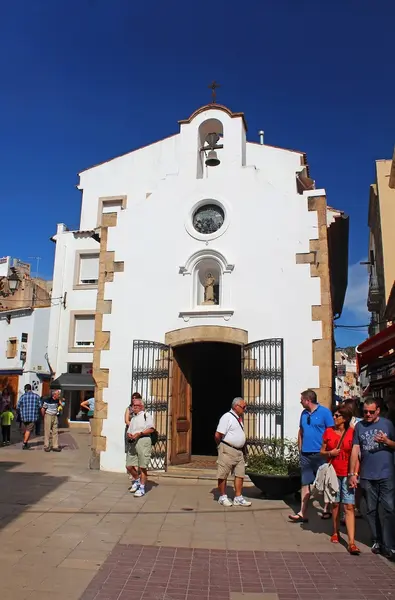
(213, 140)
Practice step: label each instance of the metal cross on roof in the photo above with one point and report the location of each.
(213, 87)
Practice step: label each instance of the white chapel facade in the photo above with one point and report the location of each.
(211, 268)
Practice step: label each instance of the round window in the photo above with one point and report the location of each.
(208, 218)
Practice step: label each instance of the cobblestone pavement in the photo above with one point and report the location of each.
(70, 533)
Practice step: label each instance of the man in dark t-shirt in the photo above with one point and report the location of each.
(374, 442)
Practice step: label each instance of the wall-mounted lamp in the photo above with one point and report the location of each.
(13, 283)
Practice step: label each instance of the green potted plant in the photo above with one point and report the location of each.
(274, 467)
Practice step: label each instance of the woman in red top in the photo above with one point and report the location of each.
(337, 446)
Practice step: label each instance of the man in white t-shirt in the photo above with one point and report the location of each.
(139, 451)
(230, 439)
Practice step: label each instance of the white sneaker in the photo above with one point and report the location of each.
(134, 487)
(240, 501)
(139, 493)
(224, 501)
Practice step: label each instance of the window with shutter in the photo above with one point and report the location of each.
(11, 347)
(89, 269)
(84, 331)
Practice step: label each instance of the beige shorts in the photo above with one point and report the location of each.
(230, 461)
(139, 454)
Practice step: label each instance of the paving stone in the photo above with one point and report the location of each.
(101, 543)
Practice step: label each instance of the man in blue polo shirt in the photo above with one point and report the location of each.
(313, 422)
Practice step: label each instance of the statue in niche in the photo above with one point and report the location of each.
(209, 295)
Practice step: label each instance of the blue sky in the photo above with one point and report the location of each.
(85, 80)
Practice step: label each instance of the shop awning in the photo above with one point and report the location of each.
(73, 382)
(378, 345)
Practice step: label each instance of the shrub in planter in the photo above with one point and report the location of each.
(274, 469)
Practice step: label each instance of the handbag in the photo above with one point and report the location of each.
(154, 436)
(319, 478)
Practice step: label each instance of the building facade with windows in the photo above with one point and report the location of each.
(220, 268)
(346, 376)
(72, 321)
(381, 258)
(375, 355)
(23, 350)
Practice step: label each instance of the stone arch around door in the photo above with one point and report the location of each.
(180, 400)
(206, 333)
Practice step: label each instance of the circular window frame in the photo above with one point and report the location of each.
(205, 237)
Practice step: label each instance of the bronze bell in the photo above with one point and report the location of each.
(212, 159)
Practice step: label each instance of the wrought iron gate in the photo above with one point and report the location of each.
(150, 377)
(263, 389)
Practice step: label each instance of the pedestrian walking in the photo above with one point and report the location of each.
(6, 418)
(230, 439)
(89, 405)
(5, 400)
(374, 443)
(314, 420)
(354, 404)
(28, 407)
(139, 451)
(50, 411)
(37, 427)
(336, 448)
(128, 417)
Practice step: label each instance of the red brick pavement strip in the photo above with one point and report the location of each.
(153, 573)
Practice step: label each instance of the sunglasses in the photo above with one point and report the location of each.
(369, 412)
(308, 420)
(337, 416)
(242, 407)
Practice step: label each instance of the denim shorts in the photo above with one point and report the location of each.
(345, 495)
(310, 462)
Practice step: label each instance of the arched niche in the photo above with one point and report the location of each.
(208, 126)
(199, 266)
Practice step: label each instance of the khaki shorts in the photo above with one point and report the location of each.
(230, 461)
(28, 426)
(139, 454)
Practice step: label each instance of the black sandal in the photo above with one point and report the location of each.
(297, 518)
(326, 515)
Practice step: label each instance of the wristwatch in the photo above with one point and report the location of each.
(352, 475)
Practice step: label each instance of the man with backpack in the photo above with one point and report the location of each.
(230, 439)
(138, 457)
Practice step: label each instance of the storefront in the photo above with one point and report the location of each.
(75, 387)
(376, 360)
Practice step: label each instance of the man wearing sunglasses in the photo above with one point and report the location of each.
(374, 443)
(314, 420)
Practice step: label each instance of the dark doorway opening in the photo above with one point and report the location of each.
(213, 370)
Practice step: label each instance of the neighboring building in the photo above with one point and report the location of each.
(23, 350)
(24, 320)
(375, 356)
(346, 376)
(381, 221)
(220, 269)
(72, 323)
(18, 289)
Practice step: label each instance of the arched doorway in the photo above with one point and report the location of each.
(206, 377)
(189, 382)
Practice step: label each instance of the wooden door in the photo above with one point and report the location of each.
(181, 413)
(45, 389)
(10, 382)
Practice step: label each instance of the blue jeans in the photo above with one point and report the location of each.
(380, 492)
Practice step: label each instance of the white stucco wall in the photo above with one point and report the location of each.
(68, 244)
(34, 322)
(268, 223)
